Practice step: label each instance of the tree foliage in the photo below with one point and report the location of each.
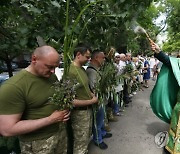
(173, 20)
(138, 44)
(63, 24)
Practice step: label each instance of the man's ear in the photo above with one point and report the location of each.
(78, 54)
(33, 58)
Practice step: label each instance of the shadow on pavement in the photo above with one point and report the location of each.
(156, 127)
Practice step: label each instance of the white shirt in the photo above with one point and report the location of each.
(152, 62)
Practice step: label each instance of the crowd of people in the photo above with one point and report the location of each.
(29, 114)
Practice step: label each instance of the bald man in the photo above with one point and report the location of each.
(25, 109)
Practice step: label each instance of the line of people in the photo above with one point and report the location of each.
(26, 111)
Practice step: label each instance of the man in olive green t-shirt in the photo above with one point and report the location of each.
(81, 115)
(25, 109)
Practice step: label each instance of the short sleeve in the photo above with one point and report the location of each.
(11, 99)
(92, 75)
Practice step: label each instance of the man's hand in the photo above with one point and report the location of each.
(12, 125)
(94, 100)
(58, 116)
(155, 47)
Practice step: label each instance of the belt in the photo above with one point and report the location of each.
(82, 108)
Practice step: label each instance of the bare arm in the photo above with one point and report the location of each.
(11, 125)
(160, 55)
(78, 103)
(155, 48)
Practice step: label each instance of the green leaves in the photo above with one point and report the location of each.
(23, 42)
(108, 79)
(31, 8)
(23, 30)
(11, 143)
(65, 23)
(65, 91)
(56, 4)
(122, 1)
(171, 8)
(128, 69)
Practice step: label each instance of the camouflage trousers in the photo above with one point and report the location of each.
(82, 130)
(56, 144)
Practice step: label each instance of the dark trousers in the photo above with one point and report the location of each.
(126, 94)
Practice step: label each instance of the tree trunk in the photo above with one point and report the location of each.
(9, 67)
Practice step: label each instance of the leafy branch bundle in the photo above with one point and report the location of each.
(9, 144)
(129, 72)
(128, 69)
(139, 66)
(65, 91)
(108, 80)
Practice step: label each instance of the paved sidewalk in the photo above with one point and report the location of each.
(134, 132)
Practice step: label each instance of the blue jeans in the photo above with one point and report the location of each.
(98, 128)
(116, 104)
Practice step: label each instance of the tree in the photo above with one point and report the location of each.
(63, 24)
(137, 43)
(11, 35)
(173, 20)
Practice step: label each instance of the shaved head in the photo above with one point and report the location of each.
(44, 51)
(44, 60)
(122, 57)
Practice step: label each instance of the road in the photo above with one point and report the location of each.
(135, 130)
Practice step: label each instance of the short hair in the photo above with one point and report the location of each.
(95, 53)
(82, 48)
(44, 50)
(128, 54)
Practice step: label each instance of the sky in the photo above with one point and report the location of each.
(163, 35)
